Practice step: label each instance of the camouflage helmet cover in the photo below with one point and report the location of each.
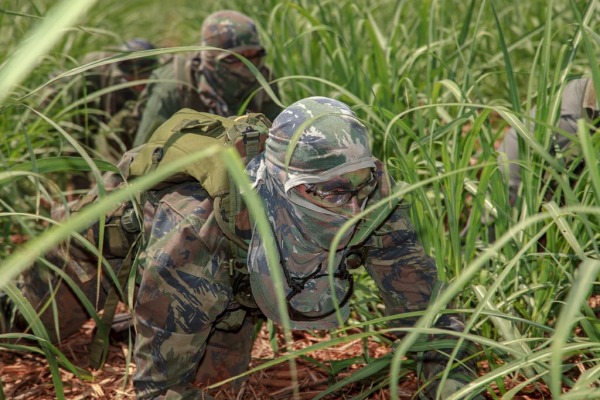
(230, 30)
(137, 45)
(137, 66)
(331, 142)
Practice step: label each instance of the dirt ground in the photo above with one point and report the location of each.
(26, 376)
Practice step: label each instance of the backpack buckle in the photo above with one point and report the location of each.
(250, 134)
(251, 139)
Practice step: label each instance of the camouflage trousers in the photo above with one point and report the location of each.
(227, 355)
(432, 363)
(61, 307)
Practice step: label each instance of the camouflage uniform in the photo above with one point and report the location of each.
(187, 291)
(578, 101)
(204, 83)
(40, 284)
(78, 264)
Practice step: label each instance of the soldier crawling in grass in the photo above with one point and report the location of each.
(198, 301)
(211, 81)
(192, 313)
(578, 101)
(202, 291)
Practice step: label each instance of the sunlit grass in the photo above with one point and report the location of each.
(437, 83)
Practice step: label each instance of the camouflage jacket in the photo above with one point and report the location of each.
(578, 101)
(178, 88)
(186, 287)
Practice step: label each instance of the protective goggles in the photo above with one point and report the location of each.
(338, 198)
(138, 66)
(254, 56)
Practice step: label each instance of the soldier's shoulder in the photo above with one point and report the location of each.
(188, 198)
(166, 69)
(576, 85)
(168, 78)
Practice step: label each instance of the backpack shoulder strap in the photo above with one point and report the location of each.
(250, 133)
(184, 69)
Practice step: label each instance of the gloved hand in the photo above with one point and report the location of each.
(432, 363)
(450, 387)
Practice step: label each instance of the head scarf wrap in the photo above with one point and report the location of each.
(328, 141)
(229, 30)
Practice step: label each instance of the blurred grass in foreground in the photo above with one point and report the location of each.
(437, 83)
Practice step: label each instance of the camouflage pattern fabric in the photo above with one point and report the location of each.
(103, 77)
(204, 83)
(44, 290)
(187, 286)
(331, 142)
(109, 121)
(42, 286)
(137, 68)
(235, 32)
(572, 109)
(185, 289)
(229, 29)
(184, 85)
(108, 116)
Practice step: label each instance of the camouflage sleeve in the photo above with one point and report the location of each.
(407, 280)
(404, 274)
(151, 117)
(183, 291)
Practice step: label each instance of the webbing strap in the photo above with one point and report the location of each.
(99, 347)
(251, 138)
(252, 142)
(236, 242)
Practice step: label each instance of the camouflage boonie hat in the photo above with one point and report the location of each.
(230, 30)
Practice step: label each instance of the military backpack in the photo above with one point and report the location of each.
(185, 133)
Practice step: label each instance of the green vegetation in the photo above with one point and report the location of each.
(437, 82)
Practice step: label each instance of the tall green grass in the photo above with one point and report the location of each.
(437, 83)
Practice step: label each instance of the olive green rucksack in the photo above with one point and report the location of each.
(189, 131)
(186, 132)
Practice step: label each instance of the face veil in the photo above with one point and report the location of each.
(328, 142)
